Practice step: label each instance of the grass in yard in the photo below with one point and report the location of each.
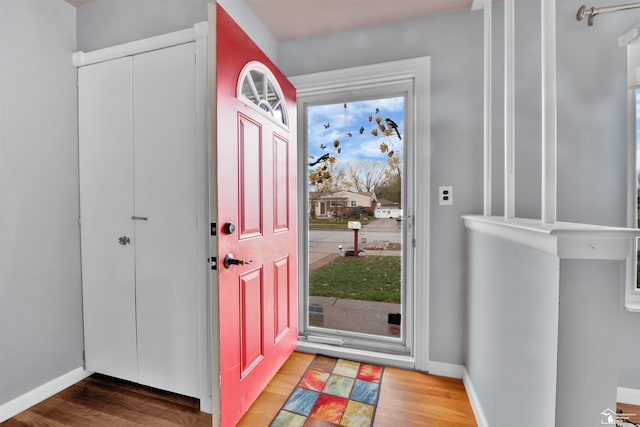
(333, 223)
(370, 278)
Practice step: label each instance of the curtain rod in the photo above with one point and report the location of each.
(590, 13)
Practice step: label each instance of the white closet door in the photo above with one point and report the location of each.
(165, 194)
(106, 206)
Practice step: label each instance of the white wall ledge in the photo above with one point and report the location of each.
(566, 240)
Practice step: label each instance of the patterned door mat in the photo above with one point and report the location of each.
(333, 392)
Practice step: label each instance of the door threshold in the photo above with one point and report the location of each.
(367, 356)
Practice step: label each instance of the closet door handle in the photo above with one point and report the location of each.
(139, 218)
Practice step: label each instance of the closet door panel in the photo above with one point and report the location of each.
(165, 194)
(106, 206)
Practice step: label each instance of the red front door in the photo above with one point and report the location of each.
(257, 199)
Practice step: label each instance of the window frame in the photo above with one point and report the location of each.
(271, 81)
(632, 290)
(417, 71)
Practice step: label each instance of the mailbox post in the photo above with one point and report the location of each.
(355, 226)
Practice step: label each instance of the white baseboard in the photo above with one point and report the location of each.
(481, 419)
(629, 395)
(45, 391)
(446, 369)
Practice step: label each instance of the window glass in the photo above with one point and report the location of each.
(260, 89)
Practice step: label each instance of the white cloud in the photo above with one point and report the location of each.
(358, 146)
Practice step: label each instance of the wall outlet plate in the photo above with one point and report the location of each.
(445, 195)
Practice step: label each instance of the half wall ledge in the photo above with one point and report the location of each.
(566, 240)
(541, 297)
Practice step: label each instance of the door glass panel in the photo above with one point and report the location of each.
(356, 268)
(259, 87)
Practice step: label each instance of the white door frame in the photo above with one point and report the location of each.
(199, 35)
(418, 72)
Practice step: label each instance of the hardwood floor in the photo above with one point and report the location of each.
(407, 399)
(631, 410)
(104, 401)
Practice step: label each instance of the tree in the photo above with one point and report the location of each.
(365, 175)
(391, 187)
(333, 179)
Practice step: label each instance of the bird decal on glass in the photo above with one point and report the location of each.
(393, 126)
(320, 159)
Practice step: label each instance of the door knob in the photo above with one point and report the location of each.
(229, 260)
(124, 240)
(229, 228)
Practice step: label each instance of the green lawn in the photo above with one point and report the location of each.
(332, 223)
(370, 278)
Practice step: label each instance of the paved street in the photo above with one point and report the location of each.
(325, 242)
(378, 229)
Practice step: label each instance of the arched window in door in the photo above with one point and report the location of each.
(259, 87)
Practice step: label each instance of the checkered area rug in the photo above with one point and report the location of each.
(333, 392)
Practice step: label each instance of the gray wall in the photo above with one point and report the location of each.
(588, 336)
(592, 138)
(592, 116)
(543, 334)
(513, 331)
(454, 43)
(110, 22)
(40, 292)
(591, 131)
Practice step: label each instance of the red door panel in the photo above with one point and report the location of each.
(281, 184)
(257, 192)
(282, 280)
(252, 315)
(250, 165)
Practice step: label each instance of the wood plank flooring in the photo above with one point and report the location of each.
(407, 399)
(631, 410)
(104, 401)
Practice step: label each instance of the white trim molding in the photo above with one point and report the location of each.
(632, 292)
(626, 38)
(478, 412)
(43, 392)
(449, 370)
(630, 396)
(565, 240)
(352, 78)
(388, 75)
(199, 30)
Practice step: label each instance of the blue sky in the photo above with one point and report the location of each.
(359, 146)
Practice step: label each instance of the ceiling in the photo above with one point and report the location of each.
(295, 19)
